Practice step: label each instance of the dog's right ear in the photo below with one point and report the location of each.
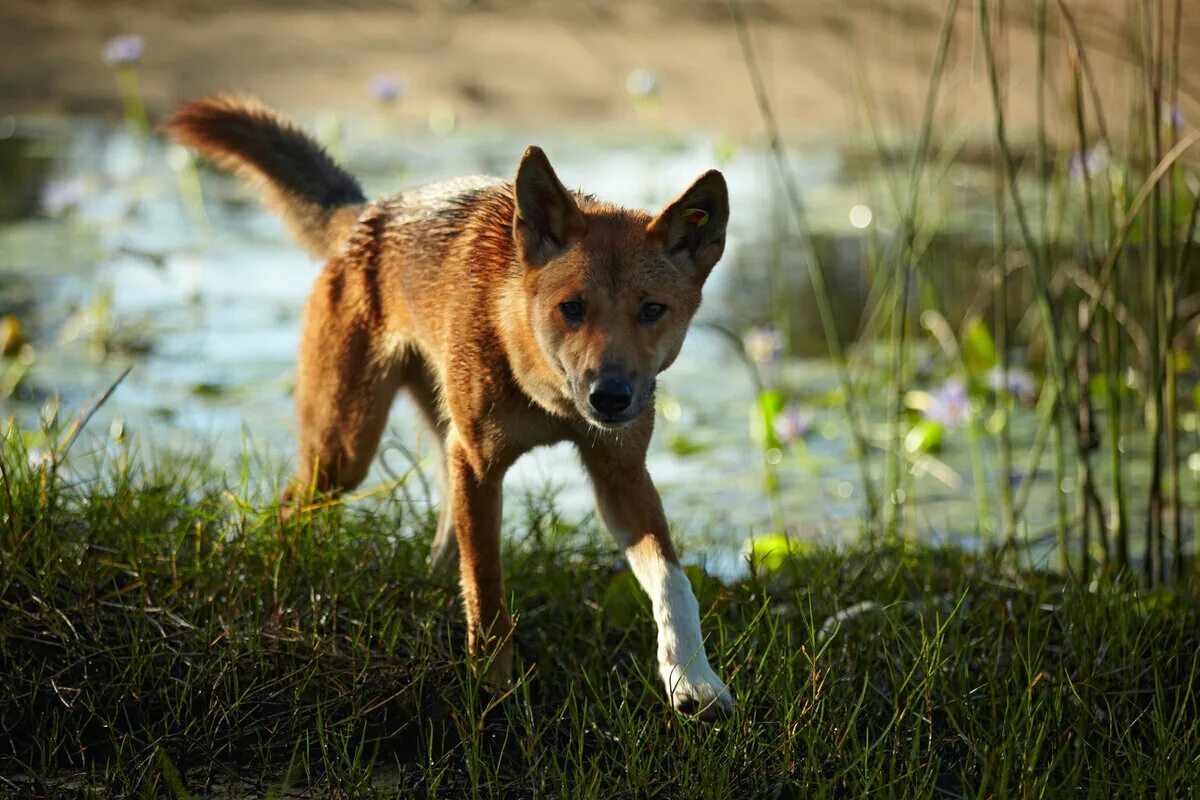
(546, 220)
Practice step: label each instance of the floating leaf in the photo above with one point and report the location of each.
(978, 348)
(681, 445)
(724, 150)
(770, 403)
(1099, 384)
(205, 389)
(925, 437)
(918, 400)
(11, 338)
(770, 550)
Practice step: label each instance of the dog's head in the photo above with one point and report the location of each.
(610, 292)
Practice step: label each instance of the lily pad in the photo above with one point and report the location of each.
(978, 347)
(925, 437)
(681, 445)
(206, 389)
(770, 403)
(770, 551)
(11, 338)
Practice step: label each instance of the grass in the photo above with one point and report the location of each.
(162, 633)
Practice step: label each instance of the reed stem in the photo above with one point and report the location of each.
(816, 273)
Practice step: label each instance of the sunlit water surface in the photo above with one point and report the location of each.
(106, 265)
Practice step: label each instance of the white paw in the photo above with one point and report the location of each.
(695, 689)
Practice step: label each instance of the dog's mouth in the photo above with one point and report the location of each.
(610, 422)
(643, 400)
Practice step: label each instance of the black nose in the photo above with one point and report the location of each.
(611, 396)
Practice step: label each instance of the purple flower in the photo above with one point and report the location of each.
(1172, 115)
(763, 343)
(39, 457)
(60, 196)
(121, 50)
(387, 88)
(1021, 384)
(791, 423)
(642, 84)
(948, 403)
(1091, 162)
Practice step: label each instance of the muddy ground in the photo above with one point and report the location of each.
(553, 64)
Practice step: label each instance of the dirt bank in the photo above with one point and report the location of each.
(539, 64)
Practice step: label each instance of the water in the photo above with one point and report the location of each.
(206, 310)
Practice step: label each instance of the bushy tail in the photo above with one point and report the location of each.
(317, 199)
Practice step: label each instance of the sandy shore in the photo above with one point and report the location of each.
(538, 64)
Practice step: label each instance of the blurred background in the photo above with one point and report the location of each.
(959, 300)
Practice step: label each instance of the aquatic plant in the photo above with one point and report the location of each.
(124, 50)
(62, 195)
(643, 84)
(948, 403)
(123, 54)
(644, 87)
(386, 89)
(1092, 232)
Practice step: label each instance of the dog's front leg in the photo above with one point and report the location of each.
(475, 492)
(630, 507)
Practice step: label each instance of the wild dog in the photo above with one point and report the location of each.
(515, 314)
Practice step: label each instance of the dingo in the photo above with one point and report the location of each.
(516, 314)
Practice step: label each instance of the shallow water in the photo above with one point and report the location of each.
(206, 310)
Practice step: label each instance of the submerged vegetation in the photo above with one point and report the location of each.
(162, 633)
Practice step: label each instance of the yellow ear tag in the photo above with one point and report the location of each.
(695, 216)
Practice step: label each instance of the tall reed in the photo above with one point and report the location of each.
(1097, 231)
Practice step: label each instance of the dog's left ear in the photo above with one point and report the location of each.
(691, 229)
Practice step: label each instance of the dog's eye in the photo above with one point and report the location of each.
(652, 312)
(572, 311)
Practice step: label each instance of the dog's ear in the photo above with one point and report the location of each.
(691, 229)
(546, 220)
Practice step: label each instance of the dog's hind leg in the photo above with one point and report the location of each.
(423, 389)
(349, 375)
